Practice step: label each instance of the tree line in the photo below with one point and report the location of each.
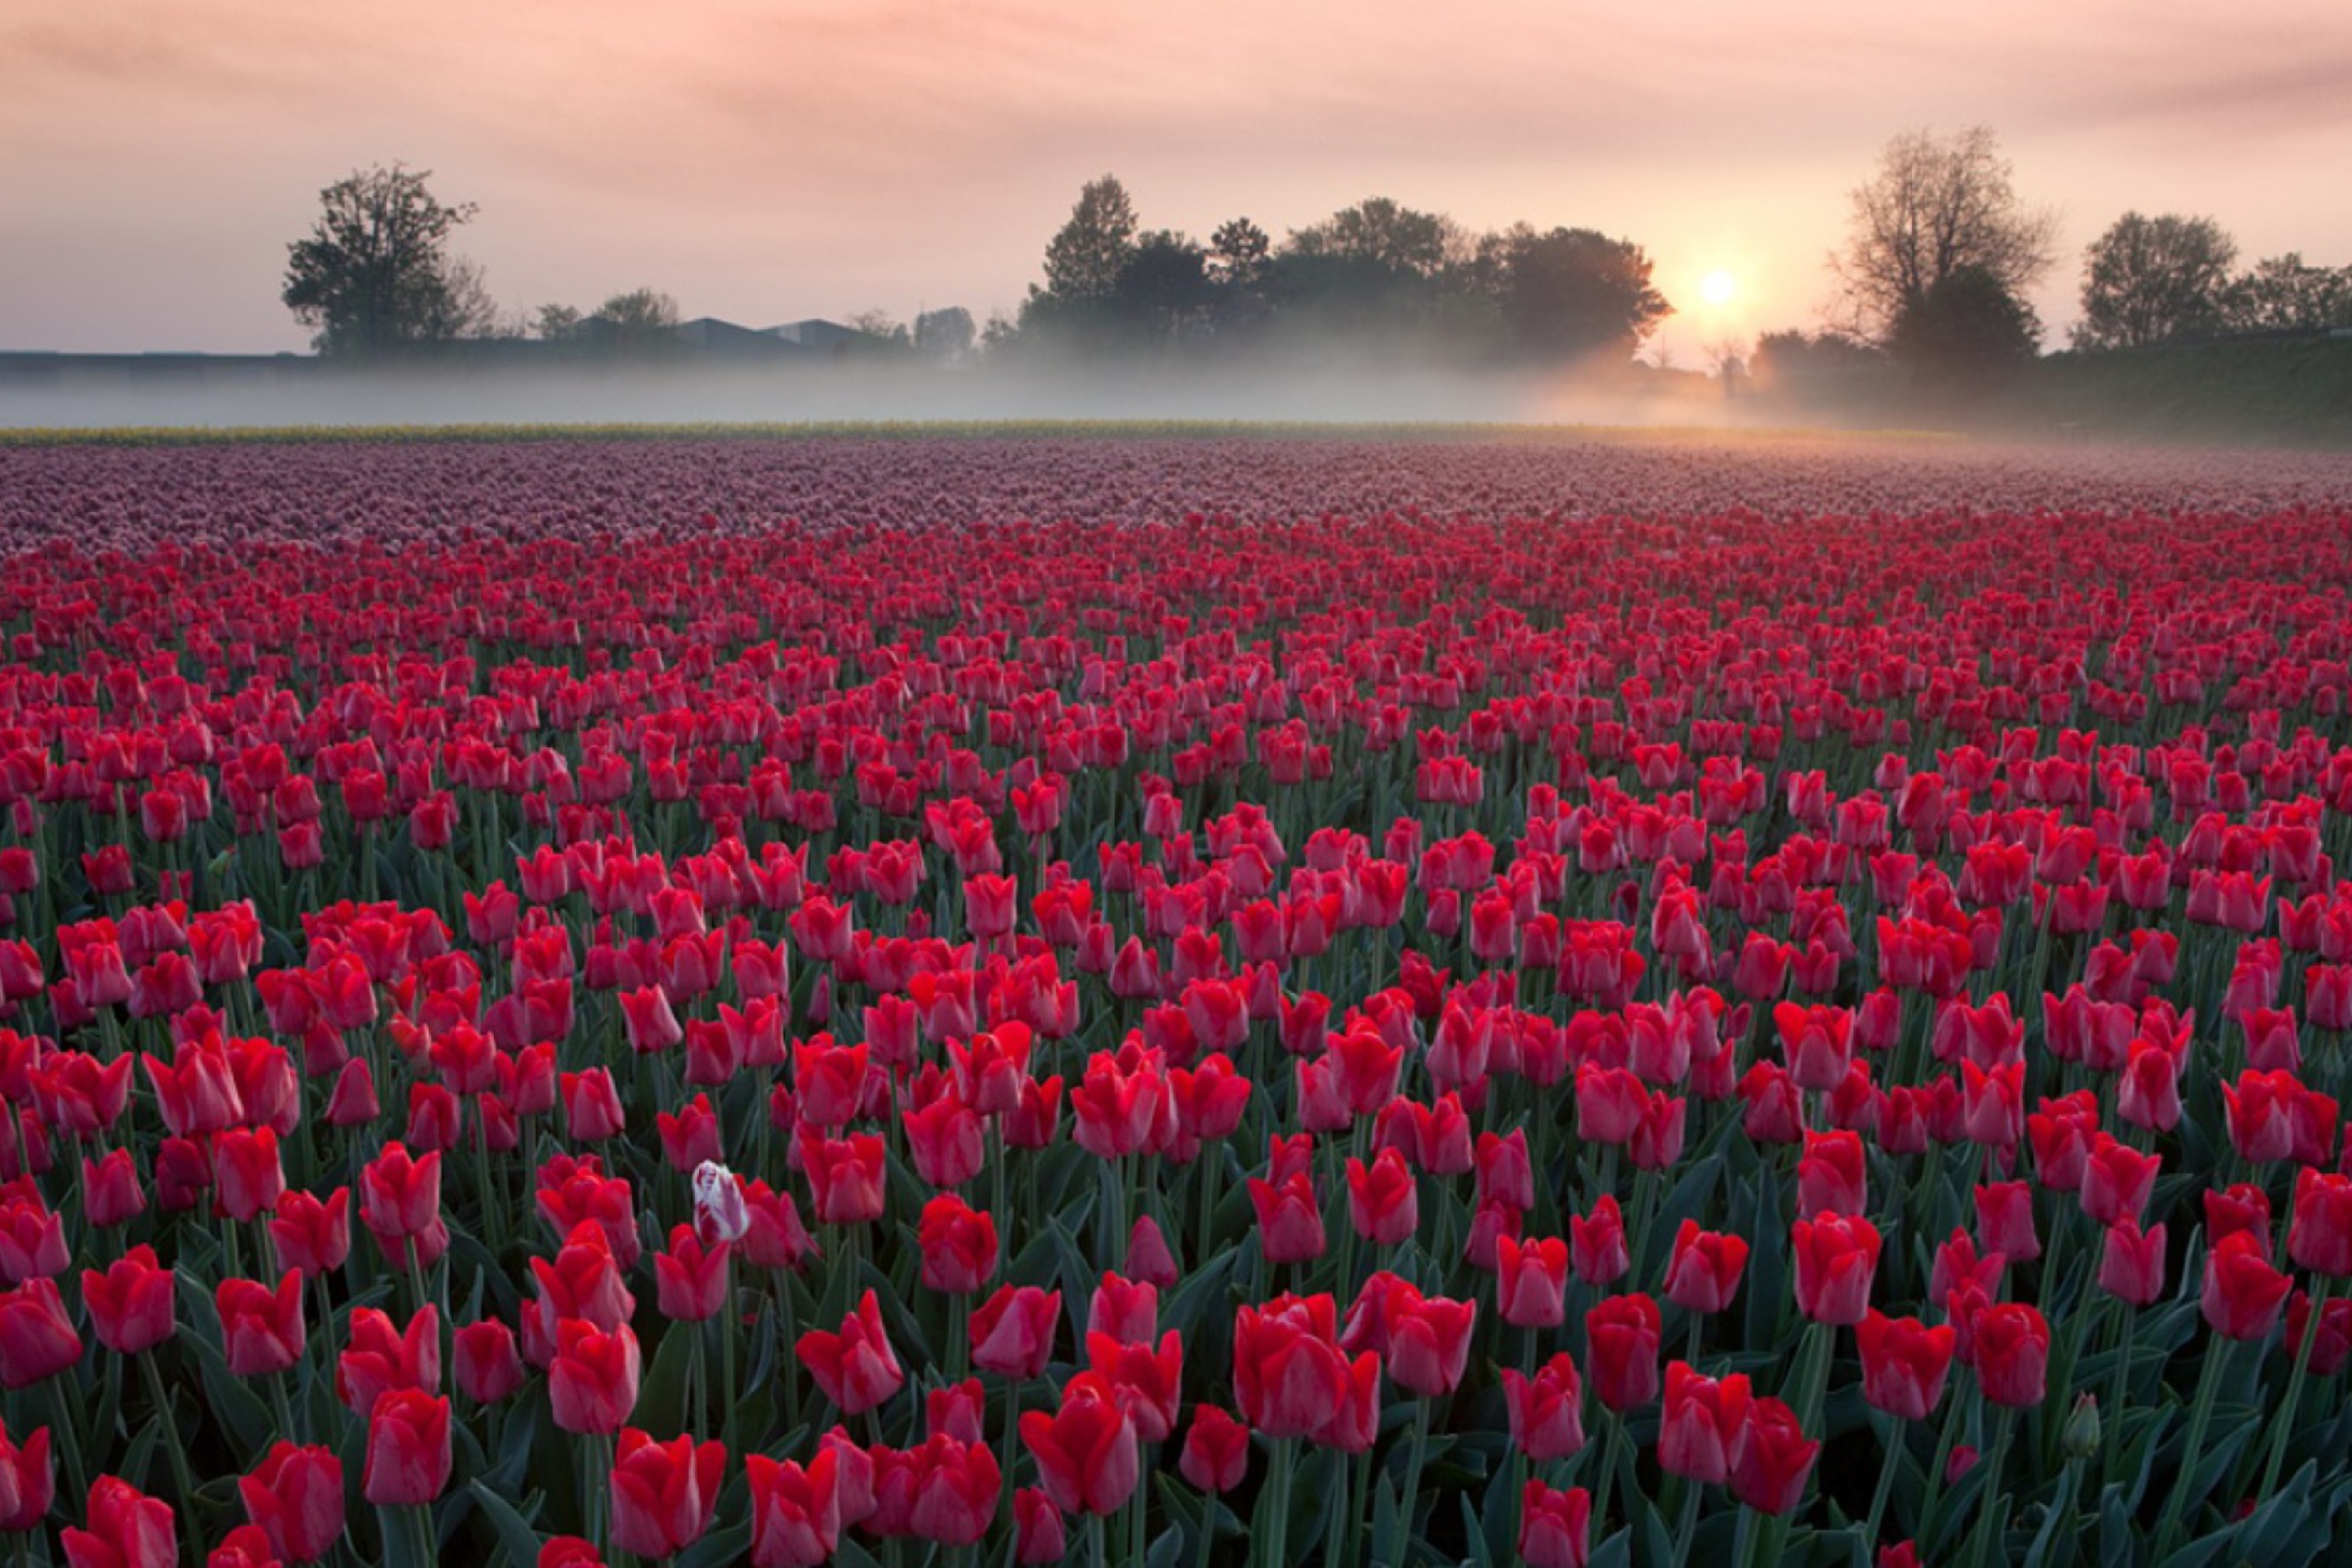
(1940, 251)
(1378, 271)
(378, 275)
(1932, 278)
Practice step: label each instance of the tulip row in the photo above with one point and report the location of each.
(1192, 1042)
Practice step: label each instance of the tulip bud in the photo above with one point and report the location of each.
(2081, 1437)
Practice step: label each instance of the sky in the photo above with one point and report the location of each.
(764, 160)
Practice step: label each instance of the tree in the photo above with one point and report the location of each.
(1385, 234)
(555, 323)
(2151, 279)
(1573, 291)
(2283, 294)
(473, 311)
(944, 334)
(1163, 293)
(1967, 332)
(1238, 251)
(639, 312)
(374, 274)
(1084, 259)
(1934, 208)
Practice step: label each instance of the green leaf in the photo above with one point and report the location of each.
(249, 1421)
(661, 1397)
(1388, 1526)
(1617, 1552)
(717, 1548)
(517, 1538)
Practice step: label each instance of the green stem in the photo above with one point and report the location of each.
(1415, 1457)
(1688, 1525)
(180, 1477)
(283, 1407)
(2284, 1427)
(2209, 1387)
(1891, 1443)
(1989, 1498)
(1603, 1487)
(1279, 1480)
(730, 1325)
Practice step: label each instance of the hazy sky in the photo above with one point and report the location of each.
(768, 160)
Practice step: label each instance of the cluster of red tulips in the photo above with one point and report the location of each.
(1339, 1003)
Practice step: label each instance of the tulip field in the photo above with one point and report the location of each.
(1181, 1000)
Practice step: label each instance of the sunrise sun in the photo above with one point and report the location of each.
(1718, 286)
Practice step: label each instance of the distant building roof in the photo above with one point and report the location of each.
(814, 333)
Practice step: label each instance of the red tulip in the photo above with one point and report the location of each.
(2118, 1180)
(955, 1410)
(131, 1305)
(112, 1193)
(855, 1367)
(1774, 1458)
(956, 1490)
(1012, 1331)
(36, 1338)
(1830, 1176)
(126, 1528)
(485, 1363)
(1086, 1450)
(592, 1106)
(28, 1481)
(1148, 1258)
(2243, 1293)
(1216, 1450)
(2131, 1263)
(246, 1546)
(381, 1358)
(593, 1381)
(958, 1244)
(665, 1495)
(400, 1203)
(1545, 1411)
(1428, 1339)
(1701, 1424)
(2005, 1220)
(1289, 1219)
(1149, 1381)
(1622, 1337)
(1124, 1309)
(1703, 1273)
(295, 1496)
(1836, 1257)
(1596, 1243)
(1290, 1377)
(844, 1177)
(1903, 1363)
(690, 1278)
(1383, 1199)
(1038, 1533)
(262, 1329)
(795, 1511)
(2013, 1354)
(1554, 1526)
(2319, 1236)
(407, 1449)
(1531, 1281)
(312, 1237)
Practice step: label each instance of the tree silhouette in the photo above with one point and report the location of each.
(2149, 279)
(374, 274)
(1937, 207)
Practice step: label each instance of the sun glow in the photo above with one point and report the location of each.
(1718, 288)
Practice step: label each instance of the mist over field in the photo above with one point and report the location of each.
(1365, 390)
